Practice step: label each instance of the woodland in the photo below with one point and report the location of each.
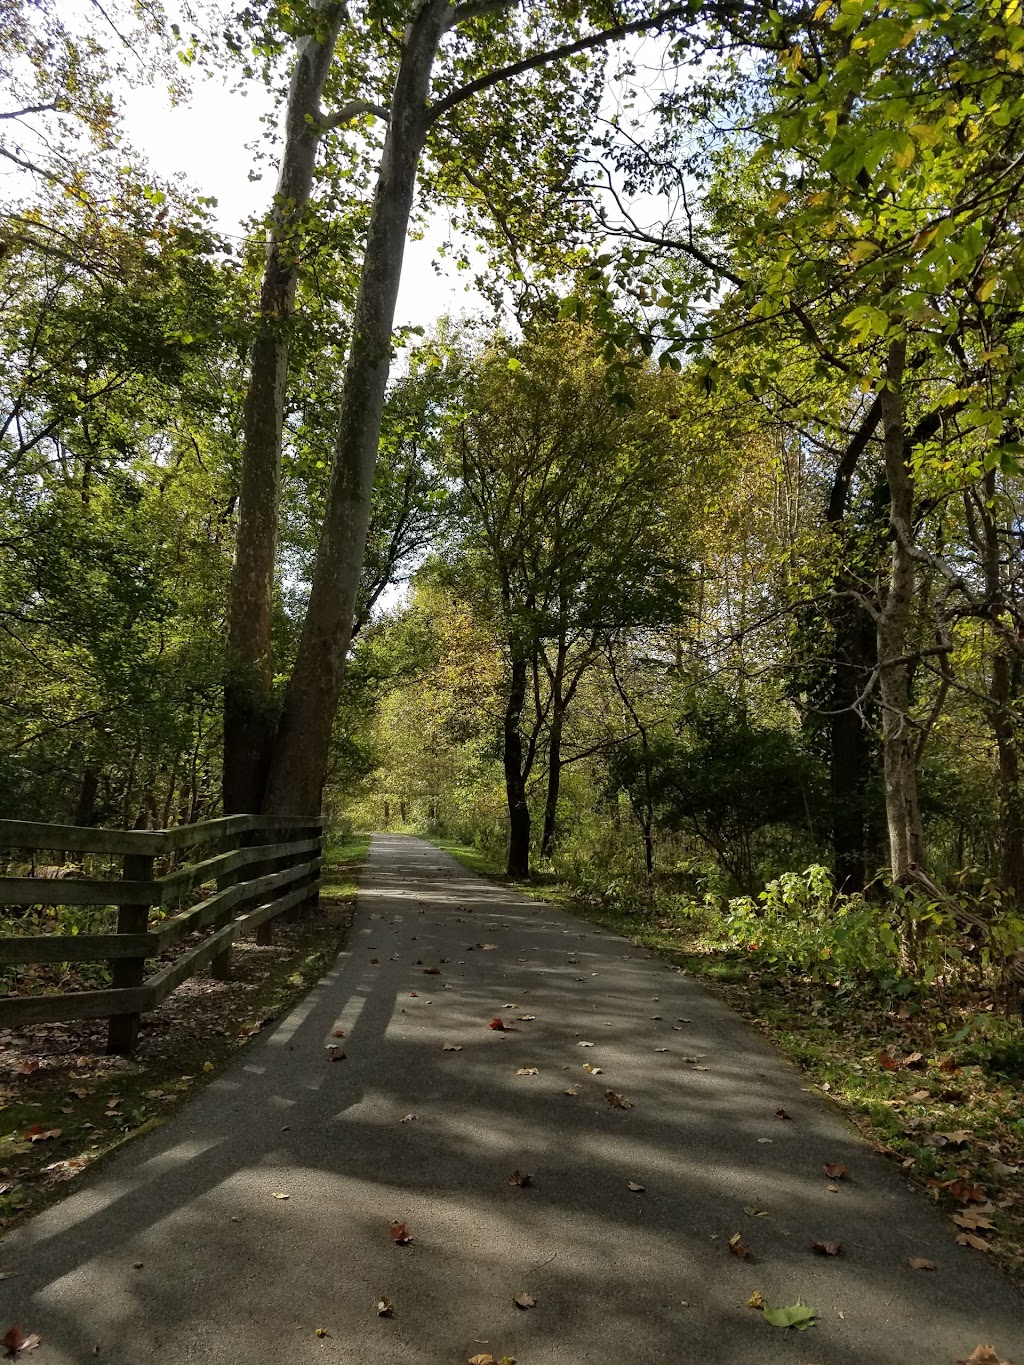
(683, 571)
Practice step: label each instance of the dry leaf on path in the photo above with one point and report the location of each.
(592, 1070)
(617, 1101)
(835, 1170)
(500, 1026)
(451, 1047)
(278, 1194)
(984, 1355)
(781, 1114)
(431, 971)
(581, 1043)
(921, 1263)
(400, 1234)
(385, 1307)
(15, 1341)
(524, 1300)
(409, 1118)
(527, 1071)
(321, 1332)
(756, 1300)
(970, 1239)
(520, 1178)
(827, 1248)
(572, 1092)
(634, 1187)
(737, 1247)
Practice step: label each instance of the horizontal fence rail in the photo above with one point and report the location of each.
(247, 869)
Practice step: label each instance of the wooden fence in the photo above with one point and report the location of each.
(247, 869)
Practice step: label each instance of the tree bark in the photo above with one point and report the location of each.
(1000, 709)
(906, 840)
(547, 842)
(249, 721)
(513, 759)
(299, 765)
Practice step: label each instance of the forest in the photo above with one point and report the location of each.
(680, 574)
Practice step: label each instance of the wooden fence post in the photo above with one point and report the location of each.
(123, 1029)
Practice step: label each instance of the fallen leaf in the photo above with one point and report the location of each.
(400, 1234)
(752, 1211)
(835, 1170)
(920, 1095)
(958, 1139)
(921, 1263)
(384, 1307)
(207, 1066)
(964, 1192)
(984, 1355)
(888, 1062)
(616, 1101)
(827, 1248)
(583, 1044)
(451, 1047)
(520, 1178)
(781, 1114)
(485, 1359)
(756, 1300)
(409, 1118)
(796, 1315)
(278, 1195)
(915, 1062)
(766, 1142)
(338, 1056)
(524, 1300)
(488, 947)
(15, 1341)
(592, 1070)
(27, 1069)
(528, 1071)
(431, 971)
(832, 1189)
(661, 1049)
(500, 1026)
(969, 1239)
(737, 1247)
(572, 1092)
(526, 1017)
(321, 1332)
(634, 1187)
(973, 1220)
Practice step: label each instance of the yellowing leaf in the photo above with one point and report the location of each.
(985, 289)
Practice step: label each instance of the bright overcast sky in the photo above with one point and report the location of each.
(204, 142)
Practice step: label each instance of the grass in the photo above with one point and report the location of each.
(936, 1085)
(64, 1105)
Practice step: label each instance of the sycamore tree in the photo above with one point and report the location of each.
(474, 96)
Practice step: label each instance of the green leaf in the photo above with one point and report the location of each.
(796, 1315)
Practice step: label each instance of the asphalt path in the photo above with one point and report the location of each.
(182, 1248)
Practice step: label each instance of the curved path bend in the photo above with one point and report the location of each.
(177, 1251)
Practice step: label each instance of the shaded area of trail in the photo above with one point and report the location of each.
(177, 1250)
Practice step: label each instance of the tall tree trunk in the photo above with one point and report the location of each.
(547, 842)
(513, 759)
(1000, 709)
(906, 840)
(248, 701)
(850, 752)
(297, 772)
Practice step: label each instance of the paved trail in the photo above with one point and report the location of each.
(230, 1275)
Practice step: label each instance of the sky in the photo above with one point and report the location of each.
(204, 142)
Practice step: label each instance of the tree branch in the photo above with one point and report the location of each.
(352, 110)
(555, 54)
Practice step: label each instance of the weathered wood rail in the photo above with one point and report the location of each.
(248, 869)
